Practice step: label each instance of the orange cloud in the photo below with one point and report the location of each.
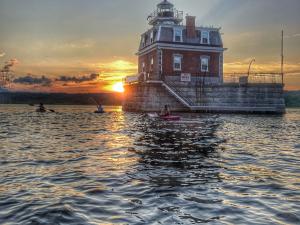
(111, 73)
(116, 70)
(274, 67)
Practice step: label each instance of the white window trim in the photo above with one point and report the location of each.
(144, 41)
(158, 34)
(174, 35)
(152, 64)
(208, 59)
(208, 37)
(177, 69)
(152, 37)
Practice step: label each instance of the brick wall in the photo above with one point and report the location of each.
(147, 60)
(191, 63)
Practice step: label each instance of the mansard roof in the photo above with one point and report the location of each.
(167, 36)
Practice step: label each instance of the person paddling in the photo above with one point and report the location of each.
(165, 111)
(100, 109)
(41, 108)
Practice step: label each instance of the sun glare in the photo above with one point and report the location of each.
(118, 87)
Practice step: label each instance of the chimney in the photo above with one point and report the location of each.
(191, 27)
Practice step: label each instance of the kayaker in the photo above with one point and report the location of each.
(100, 108)
(165, 111)
(41, 108)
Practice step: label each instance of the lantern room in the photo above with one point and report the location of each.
(165, 14)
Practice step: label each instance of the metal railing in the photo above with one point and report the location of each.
(179, 92)
(140, 78)
(178, 15)
(5, 79)
(253, 78)
(131, 79)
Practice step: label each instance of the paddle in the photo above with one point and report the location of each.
(94, 100)
(50, 110)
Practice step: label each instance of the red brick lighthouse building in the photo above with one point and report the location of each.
(171, 50)
(181, 65)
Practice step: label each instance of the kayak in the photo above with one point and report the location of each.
(40, 111)
(167, 118)
(153, 115)
(99, 112)
(43, 111)
(170, 118)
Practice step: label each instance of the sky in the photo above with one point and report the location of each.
(82, 46)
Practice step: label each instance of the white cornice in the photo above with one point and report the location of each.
(197, 28)
(181, 47)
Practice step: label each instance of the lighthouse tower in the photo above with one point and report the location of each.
(165, 14)
(171, 50)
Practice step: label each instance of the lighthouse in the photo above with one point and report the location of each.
(180, 64)
(173, 51)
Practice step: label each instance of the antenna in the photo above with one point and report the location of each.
(282, 56)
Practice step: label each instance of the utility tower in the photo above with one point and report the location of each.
(5, 79)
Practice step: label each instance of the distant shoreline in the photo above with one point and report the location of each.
(25, 104)
(113, 99)
(292, 98)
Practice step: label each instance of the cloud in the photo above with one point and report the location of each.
(33, 80)
(9, 64)
(117, 66)
(258, 67)
(2, 54)
(116, 70)
(81, 79)
(46, 83)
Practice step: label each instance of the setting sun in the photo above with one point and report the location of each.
(118, 87)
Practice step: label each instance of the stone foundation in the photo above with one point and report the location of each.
(231, 98)
(149, 98)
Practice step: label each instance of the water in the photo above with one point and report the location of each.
(76, 167)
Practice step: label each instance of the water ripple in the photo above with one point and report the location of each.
(74, 167)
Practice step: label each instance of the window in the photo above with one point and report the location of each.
(152, 37)
(177, 35)
(145, 39)
(204, 37)
(204, 64)
(177, 62)
(151, 64)
(143, 67)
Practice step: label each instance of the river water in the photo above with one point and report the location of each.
(77, 167)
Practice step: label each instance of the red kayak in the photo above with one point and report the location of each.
(170, 118)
